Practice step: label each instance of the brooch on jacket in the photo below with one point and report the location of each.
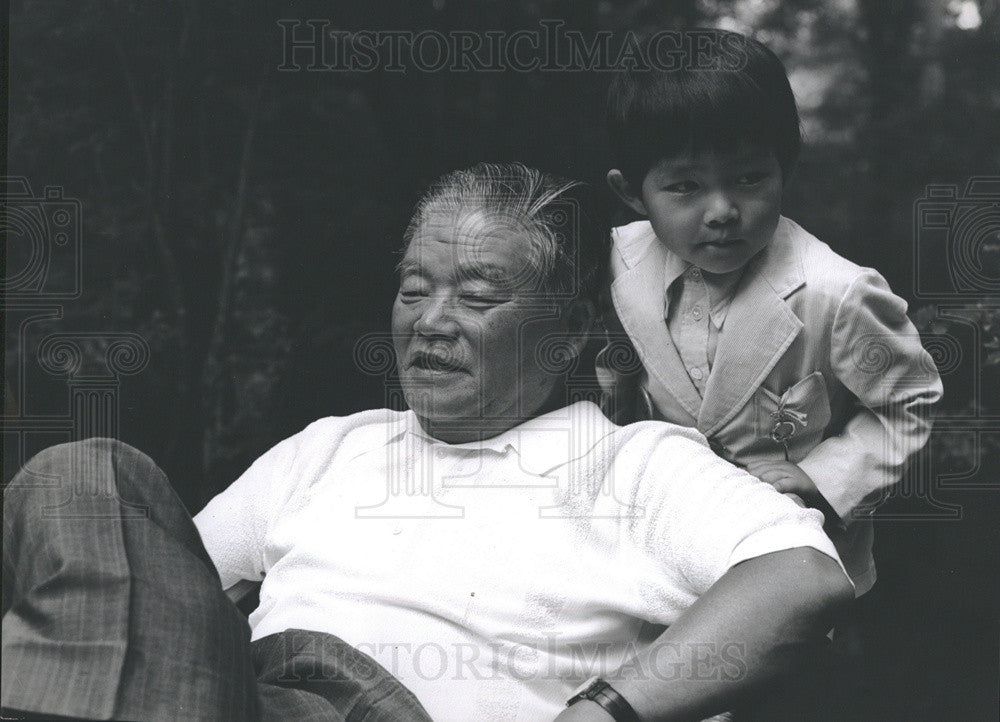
(785, 423)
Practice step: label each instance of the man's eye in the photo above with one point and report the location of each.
(682, 187)
(409, 295)
(480, 301)
(751, 179)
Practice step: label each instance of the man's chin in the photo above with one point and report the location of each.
(430, 404)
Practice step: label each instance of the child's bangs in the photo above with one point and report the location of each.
(723, 113)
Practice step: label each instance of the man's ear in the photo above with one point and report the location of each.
(623, 189)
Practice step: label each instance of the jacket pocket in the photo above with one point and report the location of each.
(801, 412)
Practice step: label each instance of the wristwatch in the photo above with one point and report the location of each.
(599, 691)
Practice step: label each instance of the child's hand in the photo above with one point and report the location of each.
(797, 499)
(794, 483)
(787, 478)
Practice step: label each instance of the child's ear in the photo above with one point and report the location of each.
(623, 190)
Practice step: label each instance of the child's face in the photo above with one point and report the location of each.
(714, 210)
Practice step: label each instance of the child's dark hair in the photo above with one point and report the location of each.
(742, 97)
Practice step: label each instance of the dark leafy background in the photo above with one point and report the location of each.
(245, 222)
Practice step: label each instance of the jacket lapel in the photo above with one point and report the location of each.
(638, 297)
(759, 328)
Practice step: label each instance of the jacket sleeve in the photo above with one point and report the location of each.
(877, 354)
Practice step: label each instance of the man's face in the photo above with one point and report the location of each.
(466, 326)
(714, 210)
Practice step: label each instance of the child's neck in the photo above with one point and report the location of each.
(728, 276)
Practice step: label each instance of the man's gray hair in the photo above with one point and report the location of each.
(556, 215)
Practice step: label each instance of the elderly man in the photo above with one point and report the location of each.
(491, 548)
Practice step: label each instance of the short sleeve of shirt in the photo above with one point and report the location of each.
(233, 526)
(702, 515)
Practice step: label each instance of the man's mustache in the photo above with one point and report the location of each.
(437, 358)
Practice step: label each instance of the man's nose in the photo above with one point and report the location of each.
(437, 317)
(721, 211)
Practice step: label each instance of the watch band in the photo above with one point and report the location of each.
(602, 693)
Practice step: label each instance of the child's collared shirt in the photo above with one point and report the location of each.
(694, 308)
(811, 345)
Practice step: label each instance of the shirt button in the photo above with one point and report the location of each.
(696, 313)
(695, 273)
(696, 373)
(439, 453)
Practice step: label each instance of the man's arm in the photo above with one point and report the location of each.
(755, 624)
(234, 523)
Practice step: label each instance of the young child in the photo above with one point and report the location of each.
(792, 361)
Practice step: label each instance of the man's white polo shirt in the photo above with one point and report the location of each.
(493, 578)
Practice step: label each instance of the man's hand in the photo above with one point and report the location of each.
(787, 478)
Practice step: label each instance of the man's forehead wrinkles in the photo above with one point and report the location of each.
(470, 227)
(462, 251)
(463, 244)
(472, 269)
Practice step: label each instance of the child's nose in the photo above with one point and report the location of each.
(721, 210)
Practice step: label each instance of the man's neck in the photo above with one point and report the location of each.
(465, 430)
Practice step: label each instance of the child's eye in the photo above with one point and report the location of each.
(751, 179)
(682, 187)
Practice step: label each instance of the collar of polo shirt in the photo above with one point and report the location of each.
(542, 443)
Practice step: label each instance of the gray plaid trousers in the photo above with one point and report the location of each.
(112, 609)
